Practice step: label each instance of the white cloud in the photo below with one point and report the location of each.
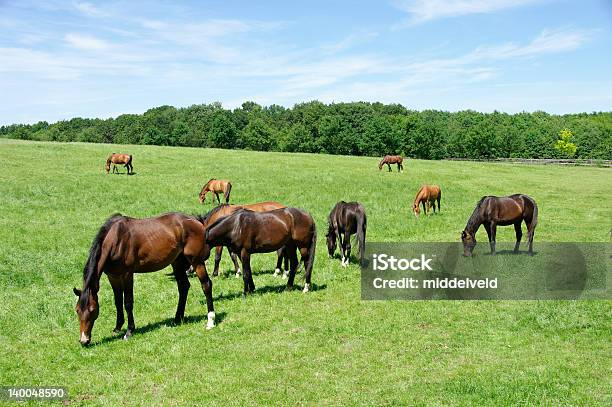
(86, 42)
(421, 11)
(89, 9)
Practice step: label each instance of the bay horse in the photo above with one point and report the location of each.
(121, 159)
(392, 159)
(225, 210)
(124, 246)
(492, 211)
(246, 232)
(427, 196)
(346, 219)
(215, 186)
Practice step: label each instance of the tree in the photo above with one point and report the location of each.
(564, 144)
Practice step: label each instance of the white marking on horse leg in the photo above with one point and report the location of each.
(306, 288)
(210, 324)
(277, 271)
(285, 274)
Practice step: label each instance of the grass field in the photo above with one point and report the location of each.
(326, 347)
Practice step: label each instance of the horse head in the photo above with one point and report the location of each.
(469, 242)
(87, 309)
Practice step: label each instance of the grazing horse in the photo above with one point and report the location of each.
(427, 197)
(503, 211)
(346, 218)
(125, 159)
(124, 246)
(246, 232)
(392, 159)
(225, 210)
(215, 186)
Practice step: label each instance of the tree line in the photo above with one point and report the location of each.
(358, 128)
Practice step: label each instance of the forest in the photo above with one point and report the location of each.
(357, 128)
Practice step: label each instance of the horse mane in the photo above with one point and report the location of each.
(212, 179)
(90, 268)
(474, 218)
(418, 193)
(214, 210)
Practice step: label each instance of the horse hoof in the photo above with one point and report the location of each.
(127, 336)
(210, 324)
(277, 272)
(306, 288)
(116, 330)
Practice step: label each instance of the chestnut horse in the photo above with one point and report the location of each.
(124, 246)
(346, 218)
(246, 232)
(492, 211)
(225, 210)
(427, 197)
(392, 159)
(215, 186)
(125, 159)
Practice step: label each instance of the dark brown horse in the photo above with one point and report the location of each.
(215, 186)
(121, 159)
(246, 232)
(346, 219)
(124, 246)
(392, 159)
(492, 211)
(226, 210)
(427, 196)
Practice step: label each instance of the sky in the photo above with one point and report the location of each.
(64, 59)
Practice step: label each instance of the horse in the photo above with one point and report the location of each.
(215, 186)
(125, 159)
(124, 246)
(503, 211)
(346, 218)
(427, 197)
(225, 210)
(246, 232)
(392, 159)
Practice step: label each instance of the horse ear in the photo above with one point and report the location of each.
(76, 291)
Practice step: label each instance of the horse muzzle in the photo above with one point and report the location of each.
(85, 340)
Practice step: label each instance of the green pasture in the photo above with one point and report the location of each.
(326, 347)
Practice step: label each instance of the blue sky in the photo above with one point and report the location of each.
(62, 59)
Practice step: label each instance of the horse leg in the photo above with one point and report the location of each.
(206, 282)
(118, 294)
(347, 247)
(493, 234)
(341, 245)
(424, 207)
(179, 268)
(487, 227)
(128, 297)
(218, 200)
(530, 233)
(279, 261)
(389, 165)
(293, 268)
(218, 252)
(249, 285)
(399, 167)
(235, 261)
(519, 235)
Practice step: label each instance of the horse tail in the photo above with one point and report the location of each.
(226, 195)
(534, 220)
(311, 254)
(361, 235)
(90, 270)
